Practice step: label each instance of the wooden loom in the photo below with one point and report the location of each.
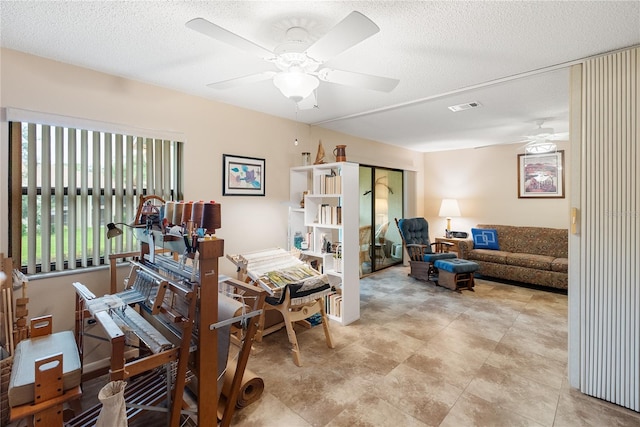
(282, 274)
(166, 289)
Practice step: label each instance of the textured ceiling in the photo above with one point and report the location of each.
(508, 56)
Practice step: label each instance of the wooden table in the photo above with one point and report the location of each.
(454, 241)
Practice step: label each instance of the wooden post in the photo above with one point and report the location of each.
(207, 355)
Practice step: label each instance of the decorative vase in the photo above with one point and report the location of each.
(339, 152)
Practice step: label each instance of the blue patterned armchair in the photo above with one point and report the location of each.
(422, 253)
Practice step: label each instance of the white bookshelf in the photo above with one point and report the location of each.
(320, 218)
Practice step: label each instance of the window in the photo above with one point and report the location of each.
(73, 182)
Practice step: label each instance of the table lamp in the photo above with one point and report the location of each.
(448, 209)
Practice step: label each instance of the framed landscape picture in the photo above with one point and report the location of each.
(242, 176)
(541, 175)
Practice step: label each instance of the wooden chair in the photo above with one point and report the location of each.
(365, 245)
(414, 233)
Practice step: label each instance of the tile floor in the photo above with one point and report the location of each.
(426, 356)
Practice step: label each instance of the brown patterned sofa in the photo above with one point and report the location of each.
(533, 255)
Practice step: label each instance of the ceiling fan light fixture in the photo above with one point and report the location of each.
(540, 147)
(295, 85)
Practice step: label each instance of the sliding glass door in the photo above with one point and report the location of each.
(381, 201)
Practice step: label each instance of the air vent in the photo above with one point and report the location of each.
(468, 105)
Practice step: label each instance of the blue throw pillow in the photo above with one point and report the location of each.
(485, 238)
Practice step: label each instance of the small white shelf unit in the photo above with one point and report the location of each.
(330, 213)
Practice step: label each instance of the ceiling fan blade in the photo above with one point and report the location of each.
(218, 33)
(238, 81)
(365, 81)
(559, 136)
(309, 103)
(347, 33)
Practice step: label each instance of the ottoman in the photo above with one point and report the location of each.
(456, 273)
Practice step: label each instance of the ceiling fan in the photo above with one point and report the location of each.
(541, 139)
(299, 63)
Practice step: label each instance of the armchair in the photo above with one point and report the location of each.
(414, 233)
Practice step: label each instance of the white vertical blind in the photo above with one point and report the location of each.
(59, 198)
(119, 185)
(84, 197)
(157, 168)
(32, 197)
(129, 200)
(45, 213)
(95, 199)
(610, 202)
(106, 169)
(76, 182)
(166, 171)
(71, 198)
(140, 172)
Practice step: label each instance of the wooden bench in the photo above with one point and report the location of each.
(46, 374)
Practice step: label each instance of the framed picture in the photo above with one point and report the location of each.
(541, 175)
(242, 176)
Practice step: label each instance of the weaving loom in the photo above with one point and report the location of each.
(296, 290)
(182, 321)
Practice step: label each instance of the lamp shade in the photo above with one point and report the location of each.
(113, 230)
(449, 208)
(295, 84)
(382, 206)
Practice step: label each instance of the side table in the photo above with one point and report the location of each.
(453, 240)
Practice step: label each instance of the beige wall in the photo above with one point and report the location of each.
(484, 181)
(210, 130)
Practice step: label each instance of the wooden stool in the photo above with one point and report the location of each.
(456, 273)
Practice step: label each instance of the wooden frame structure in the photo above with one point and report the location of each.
(291, 314)
(292, 310)
(203, 300)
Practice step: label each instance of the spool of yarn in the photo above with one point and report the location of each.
(196, 213)
(177, 213)
(186, 212)
(169, 208)
(211, 217)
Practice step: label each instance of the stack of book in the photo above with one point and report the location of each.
(328, 214)
(333, 304)
(331, 184)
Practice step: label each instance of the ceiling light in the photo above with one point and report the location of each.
(539, 147)
(295, 84)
